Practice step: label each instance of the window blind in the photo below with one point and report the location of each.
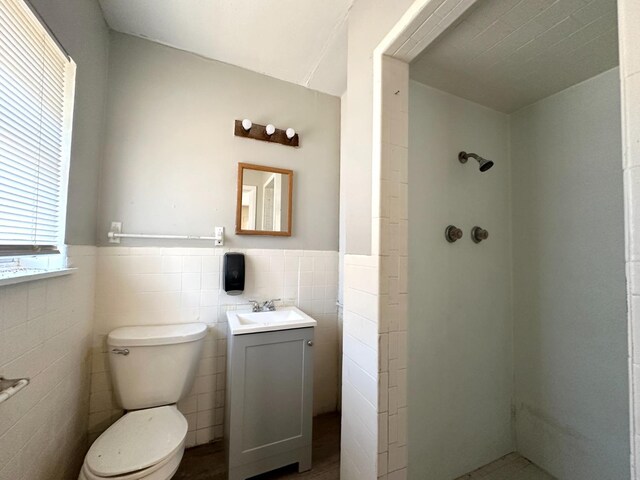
(36, 103)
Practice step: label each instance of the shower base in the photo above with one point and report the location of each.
(512, 467)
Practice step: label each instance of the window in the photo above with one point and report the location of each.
(37, 82)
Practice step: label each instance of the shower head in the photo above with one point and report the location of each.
(484, 163)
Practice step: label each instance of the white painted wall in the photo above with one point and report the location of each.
(369, 21)
(171, 157)
(460, 329)
(571, 394)
(151, 286)
(45, 334)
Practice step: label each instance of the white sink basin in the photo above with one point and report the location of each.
(241, 322)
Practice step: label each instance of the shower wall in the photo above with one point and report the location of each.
(520, 342)
(571, 393)
(460, 329)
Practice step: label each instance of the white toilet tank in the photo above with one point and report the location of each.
(154, 365)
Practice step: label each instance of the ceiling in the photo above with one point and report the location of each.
(506, 54)
(303, 42)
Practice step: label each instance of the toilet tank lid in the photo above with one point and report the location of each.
(156, 334)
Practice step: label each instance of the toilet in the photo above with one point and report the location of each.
(152, 367)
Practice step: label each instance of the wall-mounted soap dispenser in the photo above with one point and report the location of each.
(233, 273)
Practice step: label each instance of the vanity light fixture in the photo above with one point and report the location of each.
(266, 133)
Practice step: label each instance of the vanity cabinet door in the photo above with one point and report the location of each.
(270, 399)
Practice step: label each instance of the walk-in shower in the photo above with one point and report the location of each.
(536, 365)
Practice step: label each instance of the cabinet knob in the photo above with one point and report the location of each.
(310, 343)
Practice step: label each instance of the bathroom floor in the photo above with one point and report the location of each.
(510, 467)
(207, 462)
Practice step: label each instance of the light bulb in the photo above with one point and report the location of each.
(246, 124)
(291, 133)
(270, 129)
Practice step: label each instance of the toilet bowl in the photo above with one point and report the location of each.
(152, 367)
(144, 444)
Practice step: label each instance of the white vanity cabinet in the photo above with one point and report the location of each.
(269, 402)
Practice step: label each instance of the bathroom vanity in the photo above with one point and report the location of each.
(269, 402)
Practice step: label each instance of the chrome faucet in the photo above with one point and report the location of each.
(266, 306)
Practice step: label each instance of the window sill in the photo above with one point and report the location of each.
(11, 277)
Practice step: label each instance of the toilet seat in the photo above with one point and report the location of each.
(162, 471)
(138, 444)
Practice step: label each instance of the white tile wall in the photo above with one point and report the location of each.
(360, 368)
(392, 386)
(45, 334)
(629, 19)
(137, 286)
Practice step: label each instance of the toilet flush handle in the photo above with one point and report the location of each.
(120, 351)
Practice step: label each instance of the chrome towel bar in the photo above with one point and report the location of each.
(115, 234)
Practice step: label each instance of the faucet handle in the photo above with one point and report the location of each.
(269, 304)
(479, 234)
(255, 306)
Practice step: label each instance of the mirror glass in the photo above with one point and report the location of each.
(264, 200)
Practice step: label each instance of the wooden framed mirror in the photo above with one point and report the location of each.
(264, 200)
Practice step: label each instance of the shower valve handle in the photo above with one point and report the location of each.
(452, 233)
(478, 234)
